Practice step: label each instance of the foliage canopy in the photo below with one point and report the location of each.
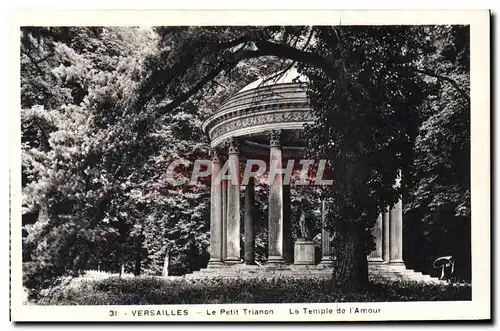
(104, 111)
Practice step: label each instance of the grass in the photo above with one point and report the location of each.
(155, 290)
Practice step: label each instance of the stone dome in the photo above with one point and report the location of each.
(290, 76)
(276, 102)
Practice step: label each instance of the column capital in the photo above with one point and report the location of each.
(215, 155)
(233, 145)
(275, 138)
(397, 183)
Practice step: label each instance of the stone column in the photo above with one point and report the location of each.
(224, 218)
(215, 213)
(396, 236)
(249, 222)
(376, 254)
(233, 205)
(276, 226)
(326, 254)
(287, 226)
(386, 246)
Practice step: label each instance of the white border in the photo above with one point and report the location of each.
(478, 308)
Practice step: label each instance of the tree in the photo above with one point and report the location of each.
(366, 125)
(75, 84)
(438, 204)
(95, 155)
(94, 190)
(358, 76)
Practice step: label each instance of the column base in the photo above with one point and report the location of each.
(397, 262)
(326, 260)
(375, 260)
(275, 259)
(214, 263)
(232, 261)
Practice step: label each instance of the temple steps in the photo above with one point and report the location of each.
(378, 272)
(399, 272)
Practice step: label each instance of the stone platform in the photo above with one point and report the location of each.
(263, 271)
(378, 272)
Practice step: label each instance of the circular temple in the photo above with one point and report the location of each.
(267, 104)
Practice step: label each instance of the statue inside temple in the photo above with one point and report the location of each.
(304, 226)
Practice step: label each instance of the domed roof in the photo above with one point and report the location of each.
(289, 76)
(276, 102)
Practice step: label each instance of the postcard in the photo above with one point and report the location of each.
(250, 165)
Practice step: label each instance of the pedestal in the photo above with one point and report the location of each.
(304, 252)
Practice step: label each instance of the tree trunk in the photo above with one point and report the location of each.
(165, 265)
(350, 264)
(138, 258)
(137, 268)
(122, 261)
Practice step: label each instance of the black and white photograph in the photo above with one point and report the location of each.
(240, 170)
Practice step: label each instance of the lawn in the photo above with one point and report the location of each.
(156, 290)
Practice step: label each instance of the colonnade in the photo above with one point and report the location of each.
(388, 233)
(225, 212)
(225, 247)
